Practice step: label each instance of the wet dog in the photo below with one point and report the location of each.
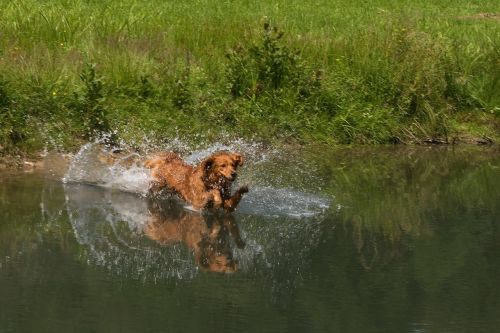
(207, 185)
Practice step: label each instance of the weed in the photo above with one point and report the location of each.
(92, 111)
(266, 66)
(181, 96)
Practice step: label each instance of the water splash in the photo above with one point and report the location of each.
(87, 167)
(265, 172)
(279, 218)
(275, 202)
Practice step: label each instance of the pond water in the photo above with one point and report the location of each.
(384, 239)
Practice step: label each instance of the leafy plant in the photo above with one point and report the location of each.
(91, 106)
(266, 66)
(181, 96)
(12, 123)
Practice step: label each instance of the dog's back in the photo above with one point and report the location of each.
(160, 159)
(170, 171)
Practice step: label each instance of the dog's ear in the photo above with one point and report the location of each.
(238, 159)
(207, 164)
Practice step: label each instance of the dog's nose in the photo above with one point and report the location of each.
(233, 175)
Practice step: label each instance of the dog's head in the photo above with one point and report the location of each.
(222, 165)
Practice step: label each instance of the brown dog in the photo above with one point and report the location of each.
(203, 186)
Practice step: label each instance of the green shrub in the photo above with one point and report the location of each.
(269, 67)
(90, 103)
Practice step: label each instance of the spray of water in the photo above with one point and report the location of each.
(279, 219)
(271, 194)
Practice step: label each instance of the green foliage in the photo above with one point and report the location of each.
(345, 72)
(10, 122)
(181, 96)
(90, 103)
(368, 126)
(4, 97)
(286, 91)
(268, 67)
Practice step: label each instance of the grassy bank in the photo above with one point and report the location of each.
(321, 71)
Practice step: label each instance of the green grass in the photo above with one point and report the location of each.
(341, 72)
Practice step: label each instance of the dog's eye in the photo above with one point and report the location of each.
(223, 165)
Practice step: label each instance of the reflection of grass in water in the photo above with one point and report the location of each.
(418, 240)
(394, 194)
(448, 278)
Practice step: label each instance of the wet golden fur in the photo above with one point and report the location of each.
(203, 186)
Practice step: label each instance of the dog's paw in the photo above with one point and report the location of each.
(243, 189)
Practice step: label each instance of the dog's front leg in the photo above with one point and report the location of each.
(231, 203)
(216, 198)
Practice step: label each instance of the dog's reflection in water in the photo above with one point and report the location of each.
(207, 235)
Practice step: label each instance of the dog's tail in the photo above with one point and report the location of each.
(160, 158)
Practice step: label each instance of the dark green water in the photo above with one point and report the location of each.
(351, 240)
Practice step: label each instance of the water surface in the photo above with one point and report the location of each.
(387, 239)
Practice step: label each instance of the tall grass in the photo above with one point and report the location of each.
(331, 71)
